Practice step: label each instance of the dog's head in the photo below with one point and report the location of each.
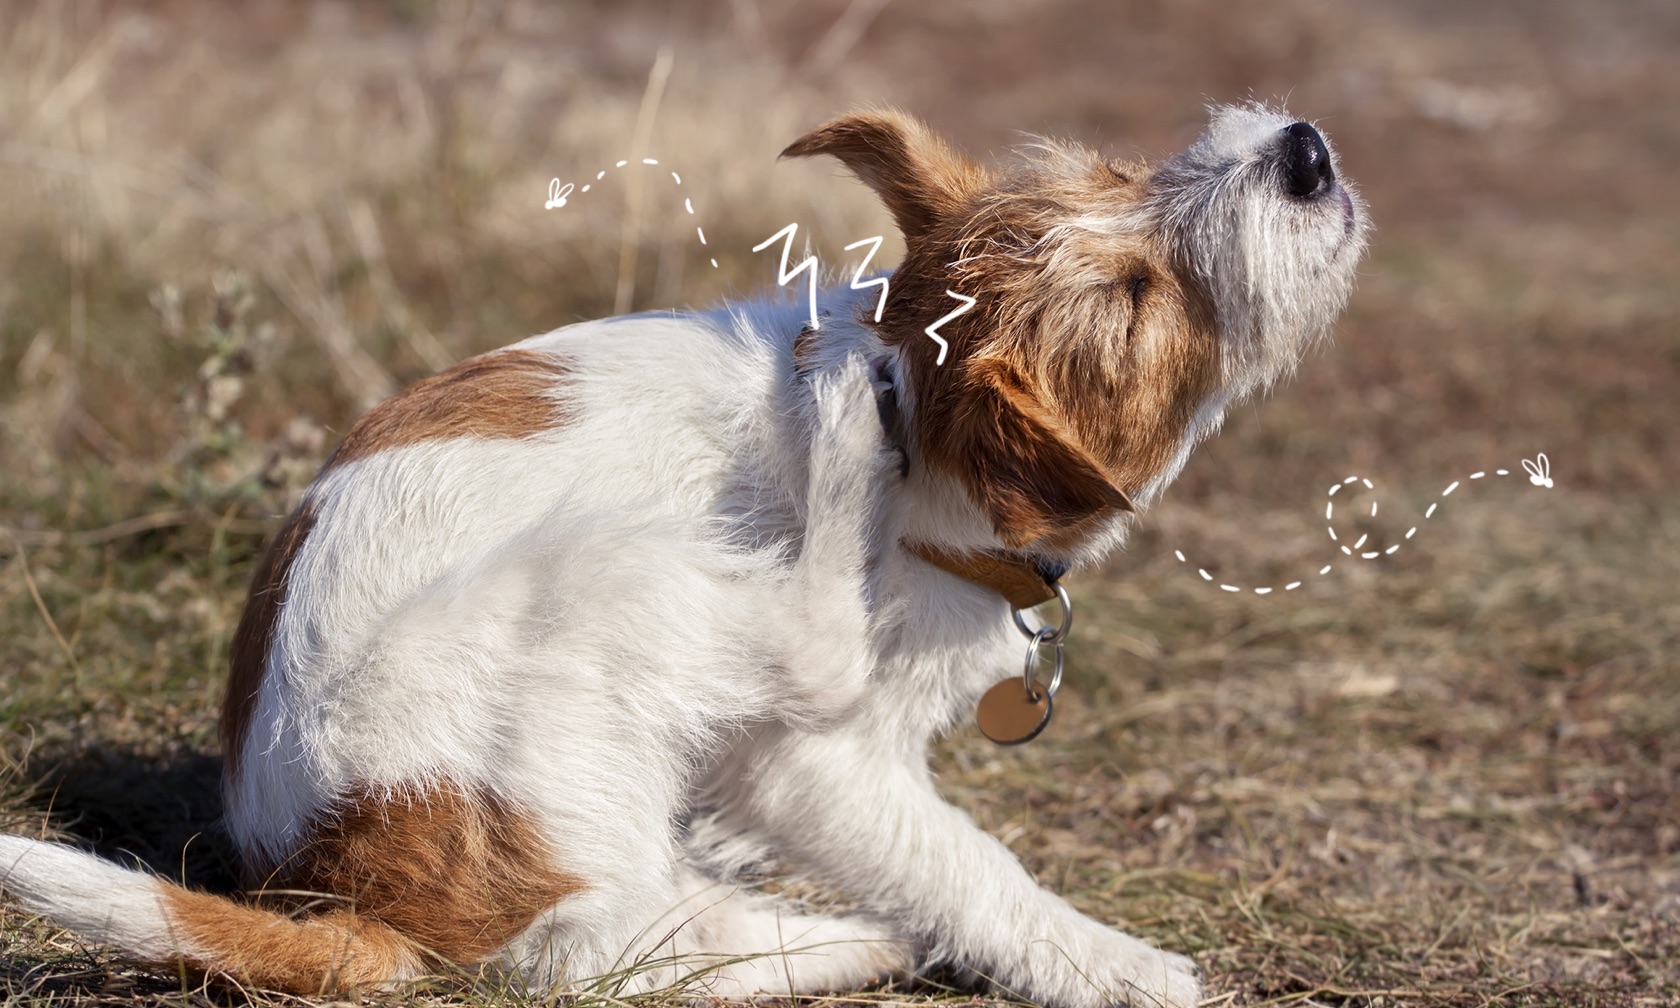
(1120, 307)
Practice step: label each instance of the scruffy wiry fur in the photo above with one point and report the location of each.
(1278, 271)
(564, 638)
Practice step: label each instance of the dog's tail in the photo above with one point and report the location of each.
(155, 921)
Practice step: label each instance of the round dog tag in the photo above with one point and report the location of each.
(1009, 715)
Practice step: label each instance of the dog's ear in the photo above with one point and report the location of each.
(920, 178)
(1027, 472)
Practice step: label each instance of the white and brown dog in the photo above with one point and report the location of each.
(564, 637)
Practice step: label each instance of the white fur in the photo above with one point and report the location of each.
(88, 894)
(1279, 269)
(679, 630)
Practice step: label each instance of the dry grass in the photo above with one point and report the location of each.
(1445, 778)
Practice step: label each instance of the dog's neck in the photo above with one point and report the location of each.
(1023, 579)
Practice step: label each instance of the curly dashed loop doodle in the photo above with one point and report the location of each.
(1539, 474)
(558, 192)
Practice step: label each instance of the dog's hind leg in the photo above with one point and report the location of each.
(829, 638)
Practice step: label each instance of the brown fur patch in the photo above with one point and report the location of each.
(459, 874)
(1072, 381)
(503, 394)
(333, 953)
(248, 654)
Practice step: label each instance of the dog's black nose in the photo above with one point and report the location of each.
(1306, 161)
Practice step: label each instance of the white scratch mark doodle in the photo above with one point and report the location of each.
(933, 330)
(859, 283)
(808, 266)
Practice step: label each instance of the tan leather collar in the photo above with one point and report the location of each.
(1015, 576)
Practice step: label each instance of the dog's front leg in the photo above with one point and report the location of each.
(862, 812)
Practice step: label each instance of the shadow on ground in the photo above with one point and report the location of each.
(161, 811)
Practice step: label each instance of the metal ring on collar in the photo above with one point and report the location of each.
(1067, 618)
(1029, 671)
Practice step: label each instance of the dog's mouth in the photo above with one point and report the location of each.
(1350, 218)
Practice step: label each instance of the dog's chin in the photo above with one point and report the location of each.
(1338, 202)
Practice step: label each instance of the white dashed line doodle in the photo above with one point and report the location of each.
(1539, 474)
(558, 193)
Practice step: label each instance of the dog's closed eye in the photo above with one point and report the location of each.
(1136, 287)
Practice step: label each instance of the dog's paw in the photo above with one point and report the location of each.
(886, 408)
(856, 413)
(1160, 980)
(1113, 969)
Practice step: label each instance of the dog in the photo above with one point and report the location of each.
(563, 640)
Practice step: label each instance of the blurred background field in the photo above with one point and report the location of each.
(1450, 777)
